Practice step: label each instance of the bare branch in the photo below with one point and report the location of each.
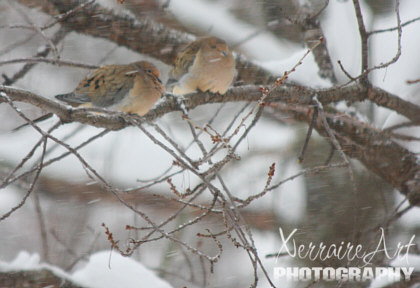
(395, 28)
(49, 61)
(308, 135)
(364, 35)
(363, 40)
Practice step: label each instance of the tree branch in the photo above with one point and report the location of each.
(363, 40)
(286, 94)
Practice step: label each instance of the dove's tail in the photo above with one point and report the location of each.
(73, 99)
(68, 98)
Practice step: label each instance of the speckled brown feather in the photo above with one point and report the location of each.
(185, 59)
(132, 88)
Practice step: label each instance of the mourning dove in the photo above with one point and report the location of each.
(132, 88)
(205, 64)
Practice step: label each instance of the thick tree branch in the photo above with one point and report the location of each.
(250, 93)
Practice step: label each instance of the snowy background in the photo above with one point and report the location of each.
(127, 156)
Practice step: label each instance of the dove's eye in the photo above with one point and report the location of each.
(149, 71)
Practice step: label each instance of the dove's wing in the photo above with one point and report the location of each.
(184, 61)
(105, 86)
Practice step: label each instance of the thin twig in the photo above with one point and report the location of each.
(394, 28)
(308, 135)
(363, 40)
(49, 61)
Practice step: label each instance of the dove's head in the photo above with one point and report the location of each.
(212, 44)
(148, 67)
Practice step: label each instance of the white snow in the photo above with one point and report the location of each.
(23, 261)
(108, 269)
